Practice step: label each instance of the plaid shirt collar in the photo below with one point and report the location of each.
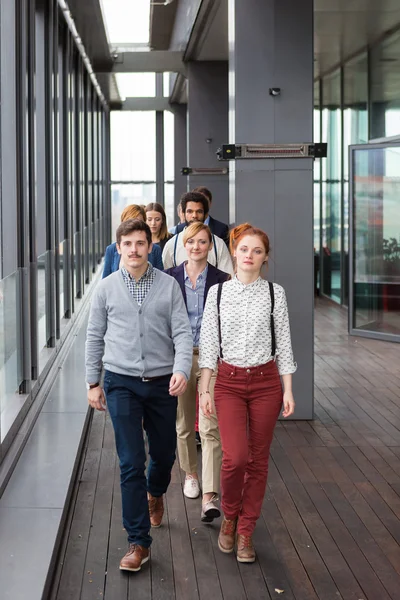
(148, 274)
(139, 289)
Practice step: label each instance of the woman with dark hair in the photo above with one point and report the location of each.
(157, 221)
(112, 258)
(245, 329)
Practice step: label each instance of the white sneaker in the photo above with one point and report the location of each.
(191, 489)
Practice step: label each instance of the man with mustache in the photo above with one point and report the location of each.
(139, 330)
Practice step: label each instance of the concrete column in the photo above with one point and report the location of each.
(271, 45)
(208, 128)
(160, 177)
(180, 150)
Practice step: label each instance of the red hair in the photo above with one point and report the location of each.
(237, 233)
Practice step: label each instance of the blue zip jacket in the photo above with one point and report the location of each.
(112, 258)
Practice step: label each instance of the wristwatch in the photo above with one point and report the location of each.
(90, 386)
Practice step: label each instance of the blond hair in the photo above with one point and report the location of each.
(194, 229)
(133, 211)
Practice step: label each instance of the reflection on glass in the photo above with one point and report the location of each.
(376, 248)
(385, 89)
(317, 188)
(129, 193)
(41, 290)
(61, 279)
(331, 187)
(355, 131)
(9, 361)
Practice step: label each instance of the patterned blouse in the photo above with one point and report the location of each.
(245, 327)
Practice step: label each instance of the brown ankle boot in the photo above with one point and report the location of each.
(226, 538)
(134, 558)
(245, 550)
(156, 510)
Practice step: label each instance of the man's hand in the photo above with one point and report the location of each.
(96, 398)
(177, 384)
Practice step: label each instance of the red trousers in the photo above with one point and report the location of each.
(248, 403)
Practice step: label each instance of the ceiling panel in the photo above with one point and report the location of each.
(341, 28)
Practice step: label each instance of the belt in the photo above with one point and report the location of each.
(155, 378)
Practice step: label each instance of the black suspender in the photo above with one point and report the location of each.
(273, 342)
(175, 245)
(219, 318)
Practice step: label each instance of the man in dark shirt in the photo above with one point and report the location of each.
(218, 228)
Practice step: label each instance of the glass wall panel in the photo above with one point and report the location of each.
(129, 193)
(331, 187)
(169, 166)
(385, 87)
(317, 187)
(355, 131)
(136, 85)
(133, 146)
(10, 377)
(376, 239)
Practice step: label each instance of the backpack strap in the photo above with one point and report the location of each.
(273, 343)
(215, 251)
(219, 318)
(175, 245)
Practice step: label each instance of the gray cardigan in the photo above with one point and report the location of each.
(142, 341)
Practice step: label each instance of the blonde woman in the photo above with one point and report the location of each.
(112, 258)
(195, 277)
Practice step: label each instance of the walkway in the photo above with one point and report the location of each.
(330, 526)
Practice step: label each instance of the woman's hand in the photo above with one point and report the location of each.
(206, 404)
(288, 404)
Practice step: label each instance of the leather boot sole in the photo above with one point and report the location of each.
(156, 526)
(210, 515)
(245, 560)
(225, 550)
(137, 568)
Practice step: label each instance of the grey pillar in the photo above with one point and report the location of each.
(180, 149)
(271, 45)
(208, 128)
(160, 177)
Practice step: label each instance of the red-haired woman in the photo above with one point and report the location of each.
(246, 326)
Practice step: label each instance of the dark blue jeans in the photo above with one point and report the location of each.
(133, 405)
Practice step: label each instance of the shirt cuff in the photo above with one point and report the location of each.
(208, 365)
(93, 377)
(181, 373)
(288, 370)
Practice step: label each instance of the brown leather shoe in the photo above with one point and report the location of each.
(226, 538)
(156, 510)
(245, 550)
(134, 558)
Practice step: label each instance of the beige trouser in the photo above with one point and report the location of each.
(209, 433)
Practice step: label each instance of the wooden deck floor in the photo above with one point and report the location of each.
(330, 526)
